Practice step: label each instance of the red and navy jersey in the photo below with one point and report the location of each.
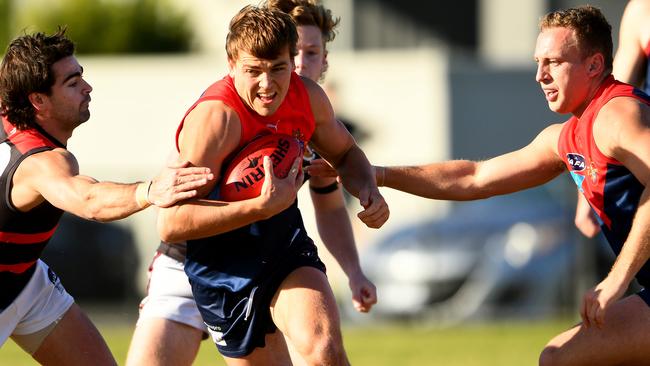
(23, 235)
(236, 258)
(611, 189)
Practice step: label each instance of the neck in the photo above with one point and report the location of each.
(56, 131)
(592, 94)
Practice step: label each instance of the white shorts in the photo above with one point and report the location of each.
(42, 302)
(169, 294)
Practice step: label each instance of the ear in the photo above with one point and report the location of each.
(596, 64)
(37, 100)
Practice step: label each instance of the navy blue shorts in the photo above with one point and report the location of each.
(645, 296)
(239, 321)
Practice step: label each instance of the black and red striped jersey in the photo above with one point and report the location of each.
(23, 235)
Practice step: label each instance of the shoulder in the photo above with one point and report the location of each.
(212, 114)
(51, 162)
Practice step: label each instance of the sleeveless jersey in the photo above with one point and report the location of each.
(611, 189)
(235, 259)
(23, 235)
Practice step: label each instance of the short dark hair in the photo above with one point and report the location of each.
(593, 32)
(27, 68)
(262, 32)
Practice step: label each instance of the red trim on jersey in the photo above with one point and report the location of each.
(25, 140)
(647, 49)
(18, 238)
(16, 268)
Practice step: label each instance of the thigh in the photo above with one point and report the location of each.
(159, 341)
(304, 308)
(624, 338)
(74, 341)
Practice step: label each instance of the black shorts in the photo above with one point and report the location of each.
(239, 321)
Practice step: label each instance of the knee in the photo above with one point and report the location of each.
(323, 349)
(550, 356)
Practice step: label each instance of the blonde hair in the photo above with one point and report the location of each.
(262, 32)
(593, 32)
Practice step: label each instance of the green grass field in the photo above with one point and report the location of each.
(495, 344)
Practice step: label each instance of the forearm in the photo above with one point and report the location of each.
(108, 201)
(636, 249)
(197, 219)
(335, 230)
(355, 170)
(452, 180)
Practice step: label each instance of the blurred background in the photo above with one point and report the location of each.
(421, 80)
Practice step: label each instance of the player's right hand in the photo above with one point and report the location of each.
(277, 194)
(176, 182)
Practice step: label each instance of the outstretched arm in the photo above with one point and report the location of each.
(462, 180)
(54, 176)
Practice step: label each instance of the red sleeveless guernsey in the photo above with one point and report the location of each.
(611, 189)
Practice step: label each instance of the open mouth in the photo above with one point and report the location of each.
(266, 98)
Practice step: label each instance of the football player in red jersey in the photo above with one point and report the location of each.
(604, 146)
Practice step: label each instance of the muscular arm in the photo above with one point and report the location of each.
(210, 133)
(332, 141)
(54, 176)
(462, 180)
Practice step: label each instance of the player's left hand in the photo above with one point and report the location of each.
(364, 293)
(176, 182)
(597, 300)
(376, 211)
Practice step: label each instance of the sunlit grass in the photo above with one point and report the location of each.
(502, 344)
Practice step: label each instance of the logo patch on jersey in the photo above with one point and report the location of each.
(593, 172)
(576, 162)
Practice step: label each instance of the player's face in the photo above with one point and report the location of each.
(562, 71)
(312, 57)
(69, 97)
(262, 84)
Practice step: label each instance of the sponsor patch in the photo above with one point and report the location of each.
(576, 162)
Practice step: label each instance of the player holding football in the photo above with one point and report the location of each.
(604, 145)
(253, 258)
(43, 98)
(170, 328)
